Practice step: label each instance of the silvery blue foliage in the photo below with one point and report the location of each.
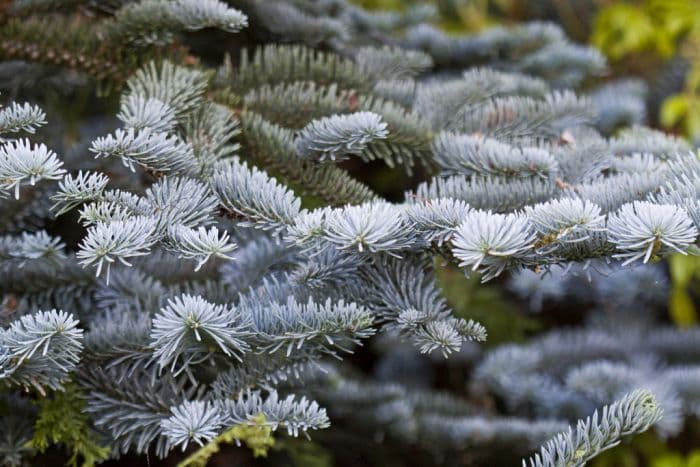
(620, 103)
(200, 244)
(32, 247)
(634, 413)
(23, 163)
(653, 290)
(288, 22)
(596, 365)
(14, 441)
(636, 163)
(179, 88)
(202, 14)
(642, 229)
(430, 417)
(436, 334)
(253, 195)
(496, 193)
(408, 299)
(327, 268)
(572, 63)
(639, 139)
(392, 62)
(513, 117)
(286, 327)
(474, 155)
(308, 227)
(500, 82)
(40, 350)
(288, 412)
(372, 227)
(21, 117)
(437, 220)
(604, 381)
(195, 421)
(177, 201)
(238, 267)
(184, 331)
(152, 149)
(107, 242)
(539, 288)
(564, 220)
(336, 137)
(684, 381)
(602, 284)
(135, 407)
(489, 242)
(139, 112)
(682, 189)
(75, 190)
(612, 192)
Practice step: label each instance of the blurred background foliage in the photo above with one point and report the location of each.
(657, 41)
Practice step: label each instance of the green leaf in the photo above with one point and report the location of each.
(621, 29)
(305, 453)
(669, 460)
(682, 308)
(683, 268)
(694, 459)
(673, 110)
(692, 121)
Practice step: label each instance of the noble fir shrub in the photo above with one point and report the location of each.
(199, 271)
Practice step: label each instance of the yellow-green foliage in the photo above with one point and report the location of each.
(306, 453)
(663, 28)
(646, 450)
(682, 110)
(61, 420)
(256, 434)
(677, 460)
(685, 273)
(625, 28)
(638, 452)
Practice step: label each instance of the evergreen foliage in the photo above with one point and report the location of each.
(210, 261)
